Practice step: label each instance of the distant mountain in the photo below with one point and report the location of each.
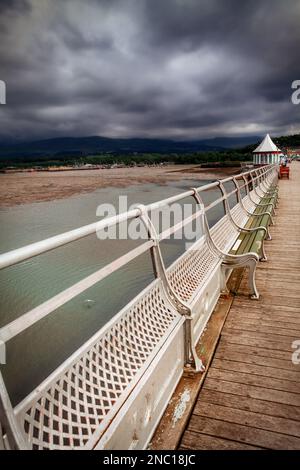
(233, 142)
(83, 146)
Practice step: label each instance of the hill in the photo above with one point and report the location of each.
(102, 150)
(93, 145)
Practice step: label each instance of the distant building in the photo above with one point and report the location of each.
(267, 152)
(293, 152)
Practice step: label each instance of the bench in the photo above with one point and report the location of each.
(260, 218)
(284, 170)
(257, 189)
(200, 274)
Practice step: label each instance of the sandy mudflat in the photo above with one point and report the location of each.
(22, 188)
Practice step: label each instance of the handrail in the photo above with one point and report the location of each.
(30, 318)
(21, 254)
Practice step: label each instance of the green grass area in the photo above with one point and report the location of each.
(227, 158)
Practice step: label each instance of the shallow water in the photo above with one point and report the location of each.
(32, 355)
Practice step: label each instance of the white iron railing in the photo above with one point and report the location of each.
(130, 367)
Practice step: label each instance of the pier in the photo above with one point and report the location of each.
(202, 357)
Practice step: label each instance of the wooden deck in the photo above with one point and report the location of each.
(250, 398)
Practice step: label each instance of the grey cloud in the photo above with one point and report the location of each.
(171, 68)
(15, 6)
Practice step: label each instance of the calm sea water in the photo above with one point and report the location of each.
(34, 354)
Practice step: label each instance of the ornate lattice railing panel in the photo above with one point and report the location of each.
(86, 394)
(187, 275)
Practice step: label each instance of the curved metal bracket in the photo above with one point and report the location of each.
(182, 307)
(261, 185)
(232, 261)
(269, 179)
(250, 213)
(267, 192)
(158, 263)
(238, 227)
(255, 188)
(257, 204)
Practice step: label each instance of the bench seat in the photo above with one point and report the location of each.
(253, 241)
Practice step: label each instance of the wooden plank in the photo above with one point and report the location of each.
(194, 440)
(258, 327)
(285, 323)
(283, 341)
(251, 340)
(248, 356)
(258, 381)
(249, 418)
(254, 369)
(242, 301)
(250, 404)
(283, 298)
(252, 391)
(264, 310)
(243, 433)
(225, 344)
(277, 320)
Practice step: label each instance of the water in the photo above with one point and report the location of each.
(35, 353)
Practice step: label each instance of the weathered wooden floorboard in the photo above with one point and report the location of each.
(251, 340)
(261, 327)
(252, 391)
(258, 381)
(205, 442)
(250, 404)
(257, 420)
(243, 433)
(249, 357)
(257, 351)
(254, 369)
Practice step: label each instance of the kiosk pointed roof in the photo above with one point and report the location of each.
(267, 145)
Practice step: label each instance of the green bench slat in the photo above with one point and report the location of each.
(251, 241)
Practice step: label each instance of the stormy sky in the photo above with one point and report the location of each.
(182, 69)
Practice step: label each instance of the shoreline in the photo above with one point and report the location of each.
(30, 187)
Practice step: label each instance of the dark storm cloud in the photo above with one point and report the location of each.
(171, 68)
(19, 6)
